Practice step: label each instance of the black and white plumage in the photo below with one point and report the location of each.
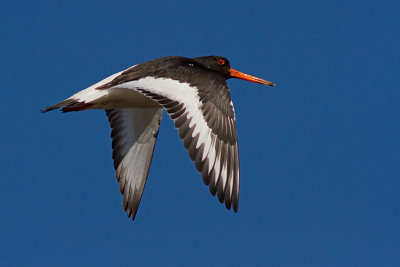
(195, 94)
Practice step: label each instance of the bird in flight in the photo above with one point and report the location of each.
(194, 93)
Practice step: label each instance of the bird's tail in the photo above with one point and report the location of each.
(68, 105)
(82, 100)
(90, 97)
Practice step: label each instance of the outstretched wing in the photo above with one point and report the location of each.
(134, 133)
(206, 124)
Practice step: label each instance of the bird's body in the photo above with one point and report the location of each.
(194, 93)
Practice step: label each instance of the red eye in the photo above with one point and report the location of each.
(220, 61)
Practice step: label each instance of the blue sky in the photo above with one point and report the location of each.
(319, 152)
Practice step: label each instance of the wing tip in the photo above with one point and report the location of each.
(235, 209)
(130, 209)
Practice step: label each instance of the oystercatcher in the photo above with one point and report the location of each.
(195, 94)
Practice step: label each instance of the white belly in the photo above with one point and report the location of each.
(124, 98)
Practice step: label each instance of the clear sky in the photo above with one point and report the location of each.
(319, 152)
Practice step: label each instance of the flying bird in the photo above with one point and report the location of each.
(194, 93)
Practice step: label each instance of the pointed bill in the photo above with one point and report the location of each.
(240, 75)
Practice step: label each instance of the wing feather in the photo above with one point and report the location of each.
(134, 133)
(206, 126)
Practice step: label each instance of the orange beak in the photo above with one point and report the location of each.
(240, 75)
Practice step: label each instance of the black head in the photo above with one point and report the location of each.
(215, 63)
(222, 65)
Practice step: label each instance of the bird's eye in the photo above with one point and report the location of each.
(220, 61)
